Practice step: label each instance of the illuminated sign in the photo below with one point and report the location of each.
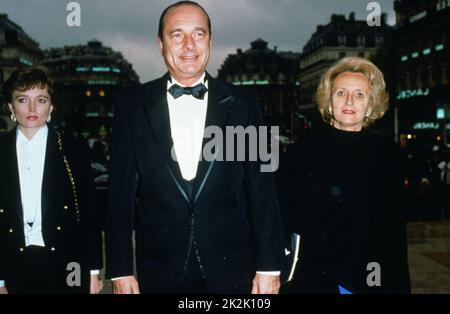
(26, 61)
(409, 93)
(440, 113)
(429, 126)
(426, 126)
(102, 82)
(439, 47)
(418, 16)
(100, 69)
(251, 82)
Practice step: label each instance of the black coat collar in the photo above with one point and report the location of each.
(154, 97)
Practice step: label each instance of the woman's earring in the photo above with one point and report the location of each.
(13, 117)
(49, 118)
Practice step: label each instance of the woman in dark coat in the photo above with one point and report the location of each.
(341, 191)
(50, 241)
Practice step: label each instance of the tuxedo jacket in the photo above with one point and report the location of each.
(71, 233)
(230, 221)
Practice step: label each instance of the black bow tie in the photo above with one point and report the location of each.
(198, 91)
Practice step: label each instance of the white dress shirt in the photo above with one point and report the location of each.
(30, 159)
(187, 124)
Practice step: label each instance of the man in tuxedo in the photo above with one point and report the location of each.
(202, 226)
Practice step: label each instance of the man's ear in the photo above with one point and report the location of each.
(160, 45)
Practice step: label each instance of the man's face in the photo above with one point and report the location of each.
(186, 43)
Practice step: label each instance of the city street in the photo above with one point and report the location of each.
(429, 256)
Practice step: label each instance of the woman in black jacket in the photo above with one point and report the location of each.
(50, 240)
(341, 191)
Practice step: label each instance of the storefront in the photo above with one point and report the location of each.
(423, 117)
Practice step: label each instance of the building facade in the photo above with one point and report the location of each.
(88, 79)
(422, 41)
(273, 75)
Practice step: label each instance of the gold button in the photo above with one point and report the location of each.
(53, 248)
(11, 230)
(66, 207)
(58, 228)
(21, 249)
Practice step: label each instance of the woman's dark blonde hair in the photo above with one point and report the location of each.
(379, 98)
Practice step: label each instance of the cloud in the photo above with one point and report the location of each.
(131, 26)
(145, 56)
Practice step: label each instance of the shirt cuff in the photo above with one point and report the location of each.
(114, 279)
(2, 283)
(269, 273)
(95, 272)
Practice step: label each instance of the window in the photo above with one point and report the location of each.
(427, 77)
(379, 40)
(407, 80)
(443, 79)
(442, 4)
(361, 41)
(418, 81)
(341, 40)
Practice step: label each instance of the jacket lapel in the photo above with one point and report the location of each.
(219, 107)
(13, 175)
(51, 164)
(155, 104)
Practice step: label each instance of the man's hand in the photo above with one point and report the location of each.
(265, 284)
(3, 290)
(126, 285)
(96, 284)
